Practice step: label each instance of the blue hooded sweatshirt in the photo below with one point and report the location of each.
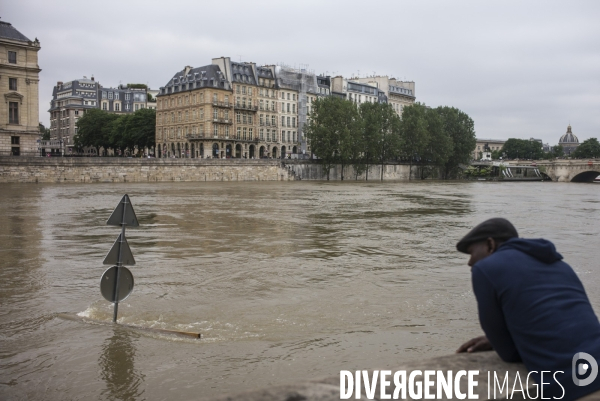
(533, 308)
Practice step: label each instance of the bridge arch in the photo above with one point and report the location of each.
(586, 176)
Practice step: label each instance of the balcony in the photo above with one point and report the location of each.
(221, 104)
(245, 107)
(268, 124)
(194, 136)
(222, 121)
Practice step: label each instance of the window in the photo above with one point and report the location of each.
(103, 95)
(282, 136)
(201, 114)
(227, 131)
(261, 133)
(237, 89)
(261, 107)
(288, 96)
(117, 107)
(282, 121)
(227, 114)
(294, 122)
(238, 135)
(12, 57)
(250, 91)
(116, 95)
(178, 116)
(268, 135)
(12, 84)
(243, 90)
(293, 107)
(250, 119)
(244, 118)
(294, 96)
(215, 130)
(238, 117)
(215, 114)
(288, 107)
(273, 120)
(261, 119)
(245, 131)
(288, 121)
(187, 116)
(226, 100)
(15, 140)
(250, 133)
(215, 98)
(104, 106)
(288, 136)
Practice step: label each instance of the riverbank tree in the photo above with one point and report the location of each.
(515, 148)
(589, 148)
(100, 129)
(437, 140)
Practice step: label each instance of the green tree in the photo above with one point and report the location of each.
(44, 132)
(415, 135)
(590, 148)
(496, 154)
(522, 149)
(381, 132)
(439, 147)
(334, 125)
(94, 129)
(558, 151)
(461, 130)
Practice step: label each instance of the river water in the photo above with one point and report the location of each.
(285, 280)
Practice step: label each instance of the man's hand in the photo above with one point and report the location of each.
(476, 345)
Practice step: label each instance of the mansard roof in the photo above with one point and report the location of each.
(7, 31)
(205, 76)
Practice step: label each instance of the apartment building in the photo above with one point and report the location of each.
(19, 86)
(399, 94)
(71, 100)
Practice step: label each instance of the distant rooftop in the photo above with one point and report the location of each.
(7, 31)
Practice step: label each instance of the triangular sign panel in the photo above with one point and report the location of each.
(112, 258)
(125, 206)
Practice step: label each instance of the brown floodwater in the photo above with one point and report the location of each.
(285, 280)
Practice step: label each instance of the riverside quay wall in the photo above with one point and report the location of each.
(116, 169)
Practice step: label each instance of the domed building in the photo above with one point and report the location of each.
(568, 141)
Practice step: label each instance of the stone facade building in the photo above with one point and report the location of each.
(399, 93)
(71, 100)
(268, 116)
(486, 146)
(19, 87)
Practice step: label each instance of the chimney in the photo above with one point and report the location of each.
(59, 83)
(92, 77)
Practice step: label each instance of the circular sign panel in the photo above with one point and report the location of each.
(109, 280)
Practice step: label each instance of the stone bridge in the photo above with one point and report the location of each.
(578, 170)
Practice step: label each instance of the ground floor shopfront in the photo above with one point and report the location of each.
(226, 149)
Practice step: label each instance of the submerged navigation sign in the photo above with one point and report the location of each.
(107, 284)
(117, 281)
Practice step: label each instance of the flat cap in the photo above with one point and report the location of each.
(496, 228)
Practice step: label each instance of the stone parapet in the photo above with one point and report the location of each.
(118, 169)
(40, 169)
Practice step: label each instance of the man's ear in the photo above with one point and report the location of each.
(491, 243)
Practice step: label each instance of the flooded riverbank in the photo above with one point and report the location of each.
(285, 280)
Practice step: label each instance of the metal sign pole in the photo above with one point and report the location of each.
(120, 260)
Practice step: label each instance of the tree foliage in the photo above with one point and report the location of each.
(44, 132)
(589, 148)
(100, 129)
(373, 134)
(461, 130)
(522, 149)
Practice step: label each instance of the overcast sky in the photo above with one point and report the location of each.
(518, 68)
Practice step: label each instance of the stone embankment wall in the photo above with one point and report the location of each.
(307, 170)
(109, 169)
(97, 169)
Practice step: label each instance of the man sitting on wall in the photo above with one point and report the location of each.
(532, 308)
